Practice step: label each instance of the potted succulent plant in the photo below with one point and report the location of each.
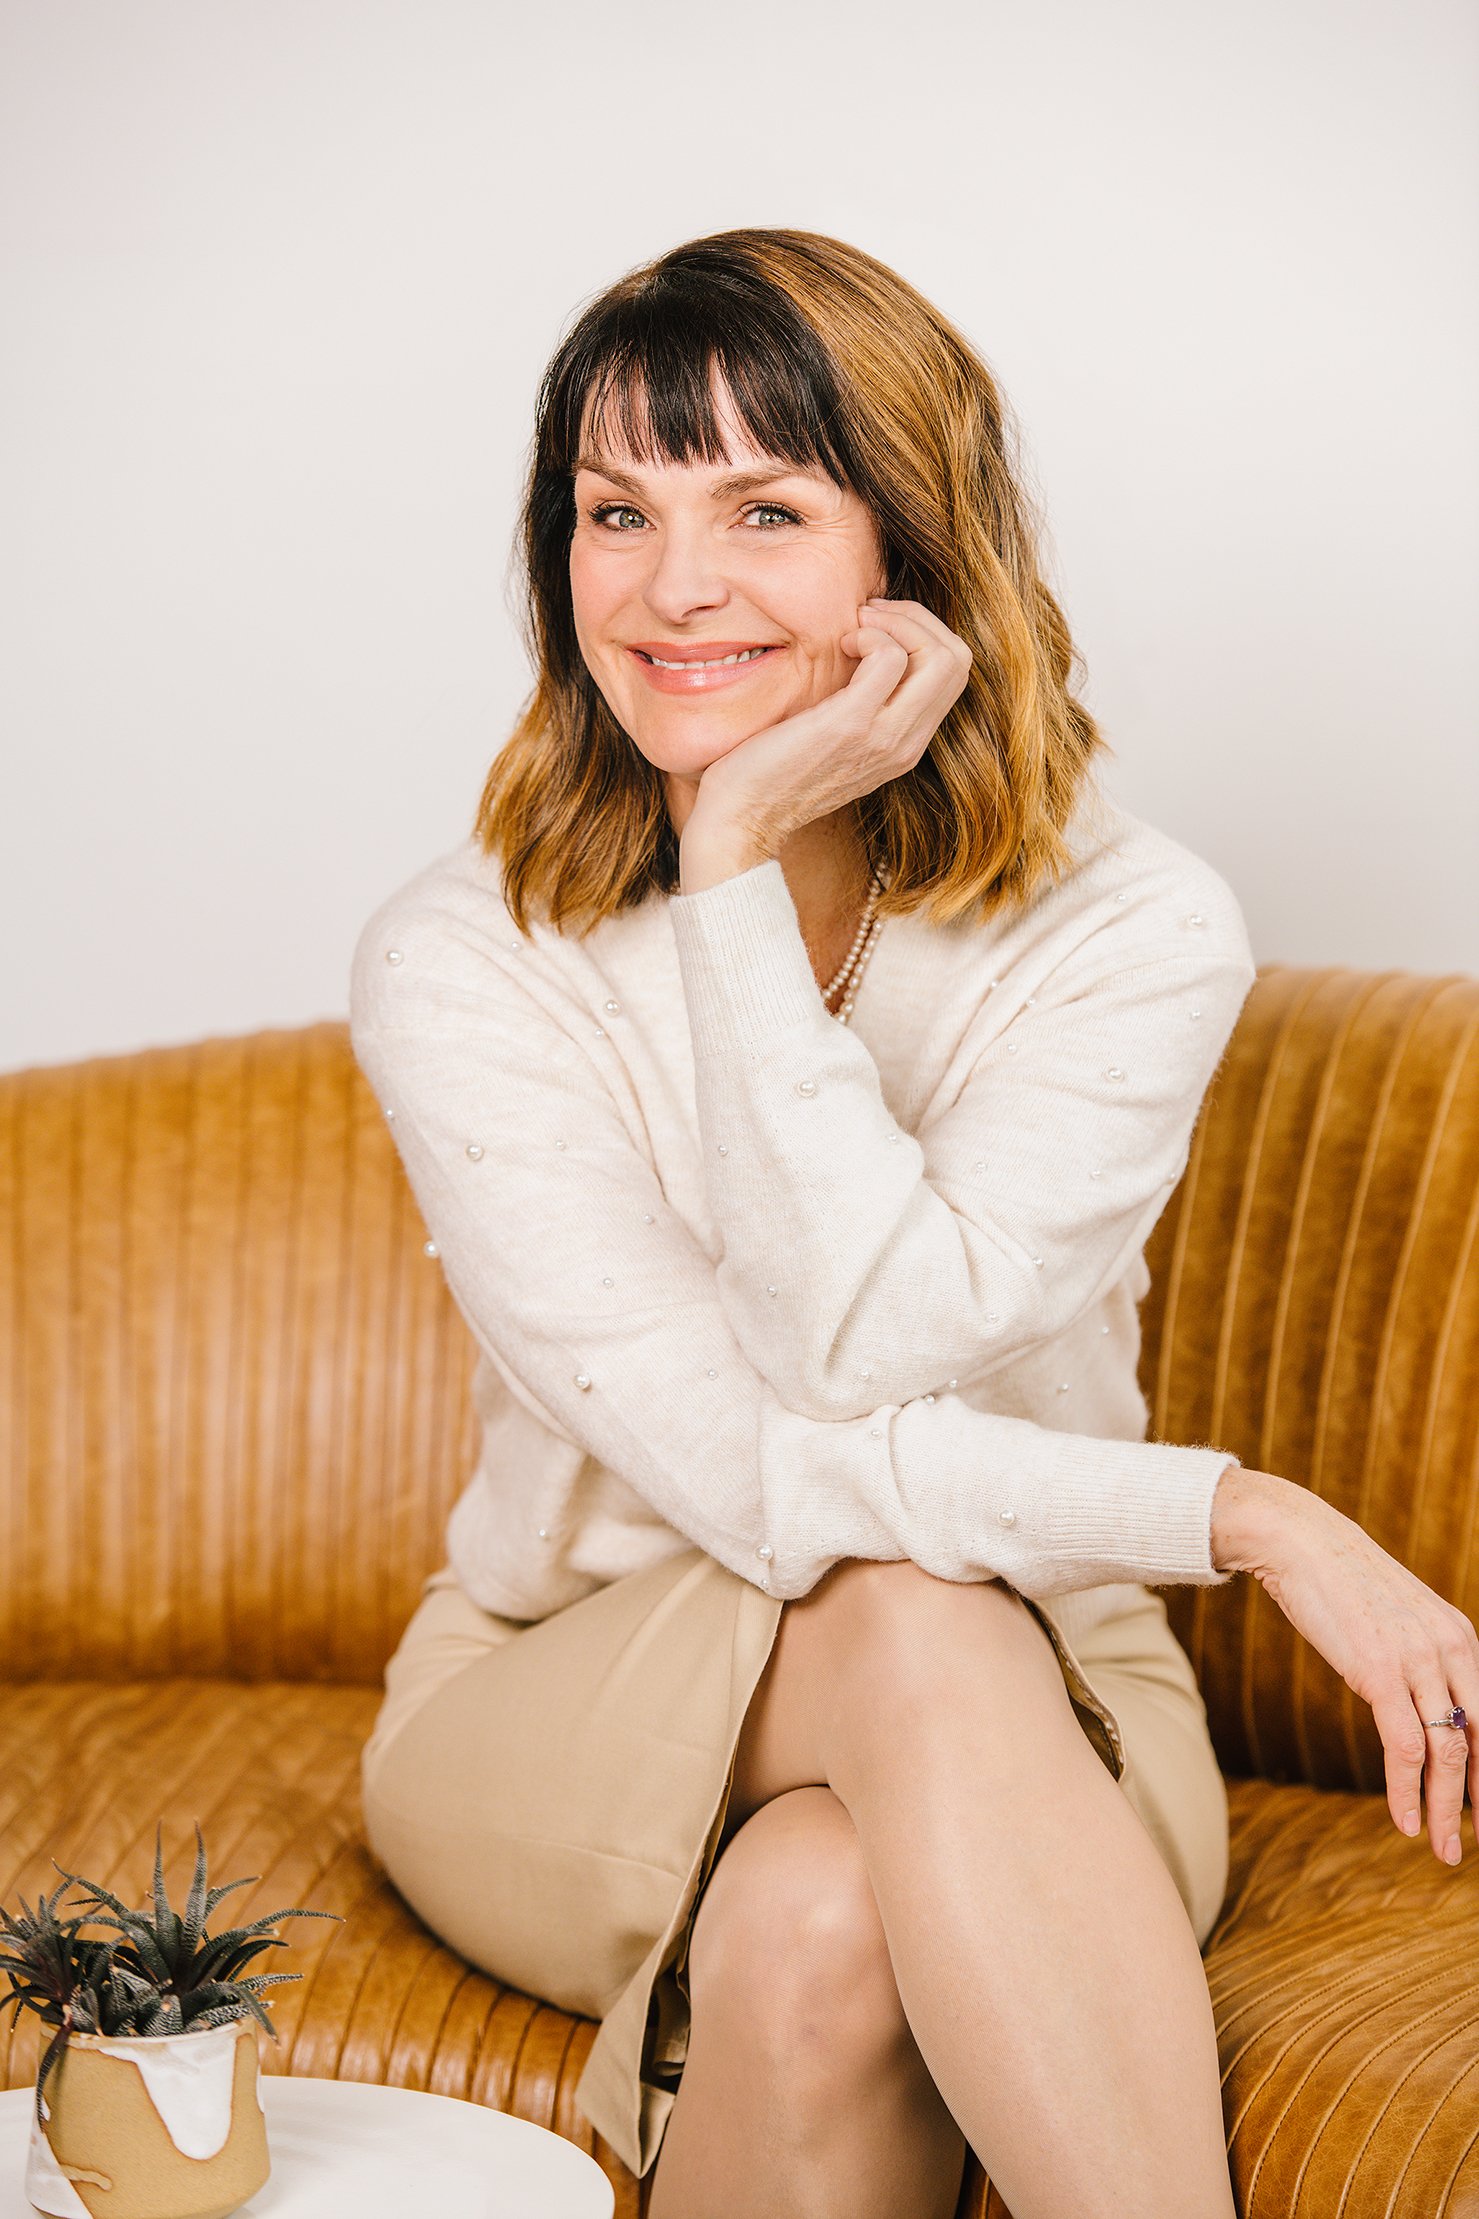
(154, 2108)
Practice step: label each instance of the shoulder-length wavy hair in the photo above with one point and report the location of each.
(834, 362)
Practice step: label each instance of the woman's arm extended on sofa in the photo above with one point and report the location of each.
(1408, 1652)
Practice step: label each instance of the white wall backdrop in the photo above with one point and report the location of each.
(278, 279)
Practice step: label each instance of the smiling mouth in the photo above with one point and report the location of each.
(714, 662)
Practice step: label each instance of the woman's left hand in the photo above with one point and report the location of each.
(911, 669)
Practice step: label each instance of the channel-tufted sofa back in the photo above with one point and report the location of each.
(237, 1405)
(1314, 1306)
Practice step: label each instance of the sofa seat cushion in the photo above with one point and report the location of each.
(271, 1770)
(1344, 1968)
(1344, 1973)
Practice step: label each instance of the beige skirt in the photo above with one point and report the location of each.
(549, 1798)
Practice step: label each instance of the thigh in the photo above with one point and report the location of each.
(447, 1632)
(871, 1635)
(543, 1802)
(876, 1634)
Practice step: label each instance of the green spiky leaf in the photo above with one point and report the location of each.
(157, 1972)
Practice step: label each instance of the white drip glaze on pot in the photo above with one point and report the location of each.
(47, 2186)
(189, 2078)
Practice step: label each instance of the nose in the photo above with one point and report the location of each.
(686, 573)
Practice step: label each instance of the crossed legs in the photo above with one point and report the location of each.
(935, 1919)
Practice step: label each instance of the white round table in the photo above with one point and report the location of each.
(347, 2146)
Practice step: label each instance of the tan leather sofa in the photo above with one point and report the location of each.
(235, 1410)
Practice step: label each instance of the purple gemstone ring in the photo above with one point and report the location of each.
(1455, 1717)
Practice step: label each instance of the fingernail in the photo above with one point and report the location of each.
(1410, 1823)
(1454, 1851)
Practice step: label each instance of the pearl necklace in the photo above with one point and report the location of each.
(850, 976)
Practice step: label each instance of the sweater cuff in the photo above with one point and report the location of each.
(744, 963)
(1152, 1508)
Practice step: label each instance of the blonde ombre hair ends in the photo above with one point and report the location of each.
(833, 361)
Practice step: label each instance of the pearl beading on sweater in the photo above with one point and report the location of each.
(845, 982)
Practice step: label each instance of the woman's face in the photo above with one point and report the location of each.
(677, 562)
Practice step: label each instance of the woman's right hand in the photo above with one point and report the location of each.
(1396, 1644)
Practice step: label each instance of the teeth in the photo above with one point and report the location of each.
(716, 662)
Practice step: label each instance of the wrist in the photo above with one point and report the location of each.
(1247, 1516)
(705, 857)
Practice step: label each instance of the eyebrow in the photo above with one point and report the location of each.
(743, 481)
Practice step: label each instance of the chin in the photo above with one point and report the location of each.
(686, 754)
(697, 736)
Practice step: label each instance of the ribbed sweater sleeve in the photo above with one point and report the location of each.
(601, 1312)
(864, 1263)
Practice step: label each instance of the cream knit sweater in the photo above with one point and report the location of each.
(794, 1291)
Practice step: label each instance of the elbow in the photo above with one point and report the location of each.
(826, 1396)
(817, 1380)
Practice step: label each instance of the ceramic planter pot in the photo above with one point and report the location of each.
(161, 2126)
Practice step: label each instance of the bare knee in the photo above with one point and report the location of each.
(879, 1656)
(788, 1951)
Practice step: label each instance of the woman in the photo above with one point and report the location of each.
(790, 1068)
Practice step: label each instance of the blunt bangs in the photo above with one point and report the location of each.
(638, 366)
(643, 365)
